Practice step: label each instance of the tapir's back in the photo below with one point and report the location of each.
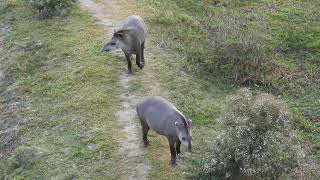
(136, 24)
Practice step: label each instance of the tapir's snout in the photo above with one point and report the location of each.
(110, 46)
(105, 49)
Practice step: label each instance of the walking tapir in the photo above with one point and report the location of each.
(130, 38)
(164, 118)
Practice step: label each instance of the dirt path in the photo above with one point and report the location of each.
(3, 31)
(135, 165)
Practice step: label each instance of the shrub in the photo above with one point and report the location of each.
(239, 43)
(48, 8)
(256, 141)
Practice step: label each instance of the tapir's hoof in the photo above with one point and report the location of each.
(173, 163)
(179, 156)
(146, 144)
(141, 66)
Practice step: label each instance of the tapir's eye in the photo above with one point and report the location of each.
(183, 139)
(112, 44)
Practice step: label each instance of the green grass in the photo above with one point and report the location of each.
(61, 92)
(59, 97)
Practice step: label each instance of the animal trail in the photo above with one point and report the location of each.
(136, 166)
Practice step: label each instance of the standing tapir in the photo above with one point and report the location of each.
(164, 118)
(130, 38)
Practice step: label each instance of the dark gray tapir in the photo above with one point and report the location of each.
(130, 38)
(164, 118)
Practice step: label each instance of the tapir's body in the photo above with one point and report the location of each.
(131, 39)
(161, 116)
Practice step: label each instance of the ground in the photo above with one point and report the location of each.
(67, 110)
(61, 117)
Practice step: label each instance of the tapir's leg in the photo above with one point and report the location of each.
(172, 152)
(138, 57)
(128, 57)
(178, 143)
(145, 129)
(142, 55)
(145, 136)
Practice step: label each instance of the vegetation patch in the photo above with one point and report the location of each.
(265, 45)
(49, 8)
(240, 39)
(58, 98)
(256, 140)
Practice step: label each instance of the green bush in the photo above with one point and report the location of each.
(256, 141)
(49, 8)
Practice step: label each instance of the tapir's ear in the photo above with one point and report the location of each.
(114, 30)
(121, 33)
(189, 122)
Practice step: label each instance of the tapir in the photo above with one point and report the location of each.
(165, 119)
(131, 39)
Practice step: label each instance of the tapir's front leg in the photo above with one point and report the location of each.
(172, 152)
(139, 57)
(178, 143)
(128, 58)
(142, 55)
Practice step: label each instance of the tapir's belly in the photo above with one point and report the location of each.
(156, 126)
(162, 127)
(130, 50)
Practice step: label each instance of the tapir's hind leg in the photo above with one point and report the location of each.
(138, 62)
(145, 129)
(145, 136)
(142, 55)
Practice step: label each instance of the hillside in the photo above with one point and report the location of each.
(63, 102)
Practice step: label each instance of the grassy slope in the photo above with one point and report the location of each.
(198, 93)
(59, 97)
(184, 27)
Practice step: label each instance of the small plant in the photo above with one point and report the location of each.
(256, 141)
(49, 8)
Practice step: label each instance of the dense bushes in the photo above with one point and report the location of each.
(48, 8)
(256, 140)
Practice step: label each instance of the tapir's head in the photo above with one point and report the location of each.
(185, 133)
(118, 41)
